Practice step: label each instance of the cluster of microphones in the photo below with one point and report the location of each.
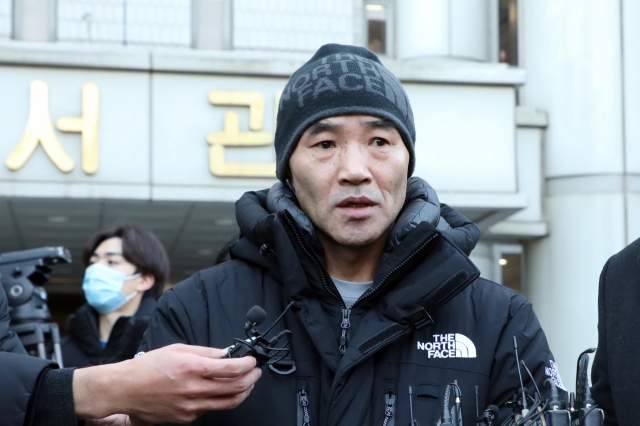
(533, 410)
(527, 409)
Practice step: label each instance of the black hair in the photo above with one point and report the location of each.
(139, 247)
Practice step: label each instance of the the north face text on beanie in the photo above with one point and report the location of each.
(340, 80)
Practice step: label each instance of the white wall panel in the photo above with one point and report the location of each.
(631, 63)
(465, 137)
(571, 52)
(529, 165)
(633, 217)
(6, 19)
(482, 257)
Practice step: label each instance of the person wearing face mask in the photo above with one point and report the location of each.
(125, 275)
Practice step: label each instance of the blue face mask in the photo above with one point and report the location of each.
(103, 288)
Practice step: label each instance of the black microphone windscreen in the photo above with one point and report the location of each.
(256, 315)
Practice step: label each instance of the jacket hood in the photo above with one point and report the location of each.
(256, 211)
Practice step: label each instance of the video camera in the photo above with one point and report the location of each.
(22, 274)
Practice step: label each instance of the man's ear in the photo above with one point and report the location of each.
(146, 282)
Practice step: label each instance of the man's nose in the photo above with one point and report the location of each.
(354, 165)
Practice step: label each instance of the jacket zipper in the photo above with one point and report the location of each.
(389, 406)
(345, 325)
(303, 408)
(326, 287)
(343, 332)
(422, 246)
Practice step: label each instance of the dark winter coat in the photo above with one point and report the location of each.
(391, 341)
(83, 349)
(616, 373)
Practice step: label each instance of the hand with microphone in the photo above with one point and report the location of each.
(257, 345)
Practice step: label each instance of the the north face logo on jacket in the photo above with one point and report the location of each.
(452, 345)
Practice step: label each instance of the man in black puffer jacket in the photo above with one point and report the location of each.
(384, 295)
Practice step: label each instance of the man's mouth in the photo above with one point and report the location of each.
(356, 202)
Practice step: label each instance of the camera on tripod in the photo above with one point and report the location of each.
(22, 274)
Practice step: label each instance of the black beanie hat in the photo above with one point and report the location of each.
(340, 80)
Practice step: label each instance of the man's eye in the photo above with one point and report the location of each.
(380, 142)
(113, 262)
(325, 144)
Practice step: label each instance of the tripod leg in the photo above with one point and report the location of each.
(41, 352)
(57, 350)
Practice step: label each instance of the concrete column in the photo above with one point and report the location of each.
(444, 28)
(211, 24)
(575, 54)
(34, 20)
(482, 257)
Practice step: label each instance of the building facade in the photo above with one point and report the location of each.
(163, 113)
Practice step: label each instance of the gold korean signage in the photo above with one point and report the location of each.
(39, 130)
(232, 136)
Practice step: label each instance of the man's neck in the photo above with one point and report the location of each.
(355, 264)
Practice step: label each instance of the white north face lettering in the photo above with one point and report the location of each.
(554, 374)
(451, 345)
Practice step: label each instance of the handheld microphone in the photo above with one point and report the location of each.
(525, 410)
(556, 414)
(586, 411)
(446, 414)
(264, 351)
(413, 422)
(452, 416)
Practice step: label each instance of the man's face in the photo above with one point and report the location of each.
(350, 177)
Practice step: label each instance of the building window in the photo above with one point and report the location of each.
(508, 16)
(143, 22)
(378, 23)
(511, 276)
(508, 269)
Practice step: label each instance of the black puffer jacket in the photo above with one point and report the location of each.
(392, 342)
(83, 349)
